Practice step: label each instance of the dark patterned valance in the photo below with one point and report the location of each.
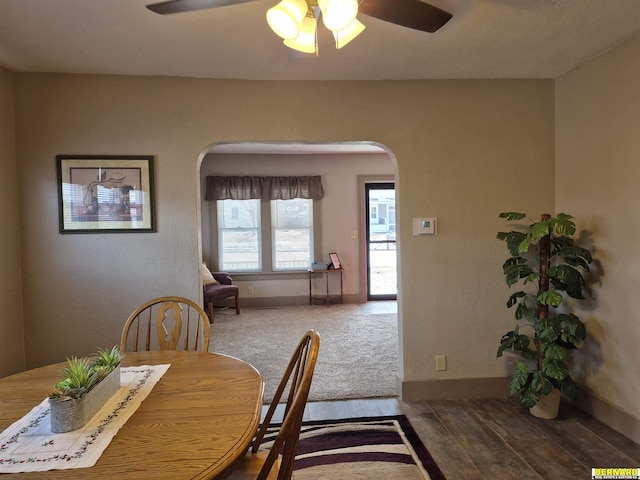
(268, 188)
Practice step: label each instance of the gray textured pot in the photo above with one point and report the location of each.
(71, 414)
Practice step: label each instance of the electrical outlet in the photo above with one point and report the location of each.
(441, 362)
(249, 291)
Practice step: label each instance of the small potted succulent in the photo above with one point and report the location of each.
(547, 265)
(86, 385)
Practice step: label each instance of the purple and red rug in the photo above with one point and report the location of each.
(366, 448)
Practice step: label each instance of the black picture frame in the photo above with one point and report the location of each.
(105, 193)
(335, 261)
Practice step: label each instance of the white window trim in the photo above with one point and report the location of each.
(267, 270)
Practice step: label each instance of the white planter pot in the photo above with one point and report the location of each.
(71, 414)
(548, 405)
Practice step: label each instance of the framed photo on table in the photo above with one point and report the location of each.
(105, 193)
(335, 261)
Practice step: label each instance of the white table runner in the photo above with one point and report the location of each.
(29, 446)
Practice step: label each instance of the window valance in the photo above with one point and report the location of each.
(268, 188)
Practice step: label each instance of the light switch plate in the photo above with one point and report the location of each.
(424, 226)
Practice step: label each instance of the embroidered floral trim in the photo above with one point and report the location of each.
(91, 438)
(36, 421)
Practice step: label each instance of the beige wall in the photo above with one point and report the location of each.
(12, 357)
(457, 145)
(598, 180)
(335, 223)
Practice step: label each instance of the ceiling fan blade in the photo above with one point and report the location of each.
(408, 13)
(177, 6)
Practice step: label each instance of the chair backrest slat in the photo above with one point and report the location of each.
(298, 376)
(148, 337)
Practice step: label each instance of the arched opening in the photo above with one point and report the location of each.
(337, 228)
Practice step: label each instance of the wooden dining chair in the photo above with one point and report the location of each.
(277, 461)
(178, 324)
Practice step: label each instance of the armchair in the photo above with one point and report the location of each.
(222, 288)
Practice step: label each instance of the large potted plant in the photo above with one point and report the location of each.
(547, 265)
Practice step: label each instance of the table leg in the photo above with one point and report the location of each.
(327, 297)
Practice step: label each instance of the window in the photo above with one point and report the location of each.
(265, 224)
(243, 231)
(292, 234)
(239, 235)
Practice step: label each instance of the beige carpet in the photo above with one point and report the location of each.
(358, 355)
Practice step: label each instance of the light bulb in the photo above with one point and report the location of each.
(286, 17)
(338, 14)
(306, 40)
(345, 36)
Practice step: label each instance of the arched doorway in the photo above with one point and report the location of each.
(341, 165)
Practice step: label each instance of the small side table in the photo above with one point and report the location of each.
(327, 298)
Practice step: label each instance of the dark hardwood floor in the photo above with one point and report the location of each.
(497, 439)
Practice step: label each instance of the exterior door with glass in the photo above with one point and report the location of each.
(380, 201)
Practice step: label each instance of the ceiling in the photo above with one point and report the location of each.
(485, 39)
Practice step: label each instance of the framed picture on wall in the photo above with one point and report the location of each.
(105, 193)
(335, 261)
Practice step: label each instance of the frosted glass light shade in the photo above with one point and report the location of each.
(338, 14)
(286, 17)
(306, 40)
(345, 36)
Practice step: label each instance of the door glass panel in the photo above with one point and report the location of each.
(381, 241)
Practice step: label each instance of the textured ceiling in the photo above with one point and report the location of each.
(485, 39)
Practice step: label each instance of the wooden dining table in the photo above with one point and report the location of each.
(197, 421)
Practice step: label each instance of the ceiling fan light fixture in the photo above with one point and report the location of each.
(306, 41)
(338, 14)
(285, 19)
(343, 37)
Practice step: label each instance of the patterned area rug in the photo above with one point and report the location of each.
(385, 448)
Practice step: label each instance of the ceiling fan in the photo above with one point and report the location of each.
(407, 13)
